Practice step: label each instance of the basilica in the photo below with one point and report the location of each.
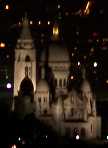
(66, 111)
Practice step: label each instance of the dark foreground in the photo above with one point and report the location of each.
(31, 133)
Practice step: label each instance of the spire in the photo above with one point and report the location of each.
(83, 73)
(25, 34)
(25, 20)
(43, 72)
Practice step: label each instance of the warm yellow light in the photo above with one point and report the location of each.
(56, 30)
(7, 7)
(87, 9)
(87, 6)
(2, 45)
(107, 81)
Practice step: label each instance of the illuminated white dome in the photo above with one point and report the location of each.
(42, 86)
(56, 53)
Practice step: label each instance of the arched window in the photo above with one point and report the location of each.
(30, 71)
(45, 111)
(60, 82)
(27, 59)
(26, 71)
(55, 82)
(91, 128)
(72, 111)
(64, 83)
(45, 99)
(39, 99)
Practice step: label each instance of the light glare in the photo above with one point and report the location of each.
(95, 64)
(8, 85)
(7, 7)
(14, 146)
(77, 137)
(2, 45)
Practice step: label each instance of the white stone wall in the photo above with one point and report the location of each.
(19, 68)
(43, 104)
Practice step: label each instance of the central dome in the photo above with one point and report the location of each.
(56, 53)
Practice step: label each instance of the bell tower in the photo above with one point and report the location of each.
(25, 58)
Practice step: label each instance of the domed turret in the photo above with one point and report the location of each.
(26, 87)
(42, 95)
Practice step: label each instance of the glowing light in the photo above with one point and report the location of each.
(77, 137)
(7, 7)
(39, 22)
(7, 56)
(2, 45)
(79, 63)
(8, 85)
(13, 146)
(107, 137)
(66, 13)
(92, 49)
(95, 64)
(72, 77)
(59, 6)
(46, 136)
(72, 54)
(19, 139)
(85, 57)
(107, 81)
(31, 22)
(7, 77)
(87, 6)
(19, 23)
(55, 30)
(49, 22)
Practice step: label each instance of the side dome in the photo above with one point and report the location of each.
(56, 53)
(42, 86)
(26, 86)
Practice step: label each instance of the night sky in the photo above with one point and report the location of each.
(83, 32)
